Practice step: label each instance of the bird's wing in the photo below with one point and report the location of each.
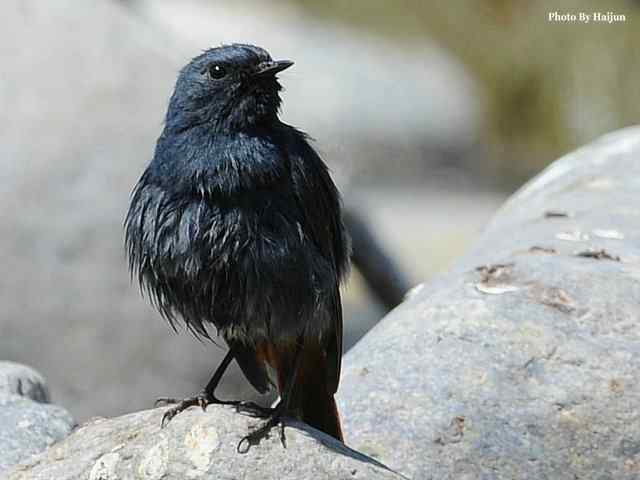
(319, 202)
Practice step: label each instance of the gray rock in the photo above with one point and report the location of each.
(522, 361)
(28, 425)
(195, 445)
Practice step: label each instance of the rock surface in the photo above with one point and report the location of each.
(522, 361)
(195, 445)
(28, 424)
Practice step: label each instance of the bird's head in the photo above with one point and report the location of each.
(229, 88)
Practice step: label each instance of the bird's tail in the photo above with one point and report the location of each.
(319, 409)
(312, 398)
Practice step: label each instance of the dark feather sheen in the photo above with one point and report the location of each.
(236, 222)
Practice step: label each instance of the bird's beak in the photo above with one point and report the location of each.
(271, 68)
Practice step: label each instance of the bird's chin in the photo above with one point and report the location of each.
(257, 107)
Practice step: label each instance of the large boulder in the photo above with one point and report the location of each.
(522, 361)
(195, 445)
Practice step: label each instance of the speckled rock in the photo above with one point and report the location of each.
(195, 444)
(27, 423)
(522, 361)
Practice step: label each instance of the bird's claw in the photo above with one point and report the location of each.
(254, 437)
(202, 400)
(179, 407)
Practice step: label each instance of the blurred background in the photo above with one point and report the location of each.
(429, 114)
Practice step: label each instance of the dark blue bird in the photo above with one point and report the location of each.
(237, 224)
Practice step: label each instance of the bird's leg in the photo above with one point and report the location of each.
(276, 414)
(204, 398)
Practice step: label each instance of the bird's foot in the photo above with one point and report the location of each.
(202, 400)
(276, 419)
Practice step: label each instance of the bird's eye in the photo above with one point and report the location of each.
(216, 71)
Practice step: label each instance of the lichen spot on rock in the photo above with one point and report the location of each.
(154, 462)
(200, 442)
(105, 467)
